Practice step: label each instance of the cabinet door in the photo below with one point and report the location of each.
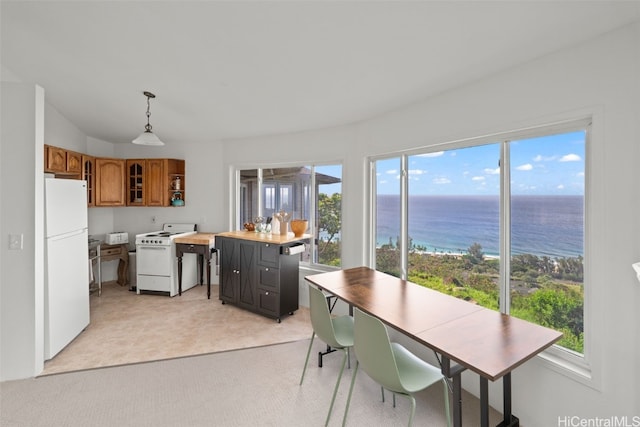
(89, 175)
(135, 182)
(110, 176)
(74, 163)
(56, 160)
(157, 183)
(228, 269)
(248, 288)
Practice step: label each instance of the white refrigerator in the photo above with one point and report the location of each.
(67, 263)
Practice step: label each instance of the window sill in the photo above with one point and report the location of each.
(570, 366)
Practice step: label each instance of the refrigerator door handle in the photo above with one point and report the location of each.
(67, 235)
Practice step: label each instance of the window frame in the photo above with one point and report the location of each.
(577, 366)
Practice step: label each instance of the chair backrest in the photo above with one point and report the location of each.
(321, 317)
(373, 351)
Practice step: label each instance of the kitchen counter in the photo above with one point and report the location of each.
(276, 239)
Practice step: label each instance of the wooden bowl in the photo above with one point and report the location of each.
(299, 226)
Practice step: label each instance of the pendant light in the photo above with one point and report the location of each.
(147, 137)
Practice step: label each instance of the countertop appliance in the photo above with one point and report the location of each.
(117, 238)
(66, 296)
(157, 264)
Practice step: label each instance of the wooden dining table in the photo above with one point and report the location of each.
(463, 334)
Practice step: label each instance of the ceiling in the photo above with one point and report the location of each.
(227, 70)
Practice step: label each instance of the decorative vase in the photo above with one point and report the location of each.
(283, 218)
(299, 226)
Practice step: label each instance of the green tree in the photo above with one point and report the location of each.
(329, 222)
(475, 254)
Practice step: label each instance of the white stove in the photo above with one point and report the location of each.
(157, 264)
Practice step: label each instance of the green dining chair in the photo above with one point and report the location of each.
(336, 332)
(390, 364)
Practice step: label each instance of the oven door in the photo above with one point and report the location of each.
(153, 260)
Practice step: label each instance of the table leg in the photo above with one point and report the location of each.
(180, 274)
(509, 420)
(200, 267)
(455, 374)
(484, 402)
(208, 277)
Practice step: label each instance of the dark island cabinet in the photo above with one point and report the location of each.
(258, 276)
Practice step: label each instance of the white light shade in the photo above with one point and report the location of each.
(147, 138)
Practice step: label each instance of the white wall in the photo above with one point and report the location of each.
(21, 212)
(600, 79)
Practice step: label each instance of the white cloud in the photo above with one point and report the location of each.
(392, 172)
(560, 187)
(540, 158)
(525, 167)
(435, 154)
(570, 158)
(417, 171)
(478, 178)
(442, 180)
(495, 171)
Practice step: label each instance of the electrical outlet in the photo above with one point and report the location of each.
(15, 242)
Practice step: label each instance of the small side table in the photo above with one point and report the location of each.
(201, 244)
(120, 253)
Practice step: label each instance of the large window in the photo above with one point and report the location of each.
(500, 224)
(312, 192)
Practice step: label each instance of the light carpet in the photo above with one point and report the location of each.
(250, 387)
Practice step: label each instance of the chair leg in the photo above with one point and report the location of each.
(313, 334)
(382, 392)
(335, 390)
(413, 409)
(446, 401)
(353, 380)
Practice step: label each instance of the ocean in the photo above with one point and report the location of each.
(540, 225)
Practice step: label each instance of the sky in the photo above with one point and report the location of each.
(548, 165)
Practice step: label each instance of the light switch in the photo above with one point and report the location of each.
(15, 242)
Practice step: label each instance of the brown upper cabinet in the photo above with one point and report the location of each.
(62, 162)
(153, 182)
(89, 175)
(110, 182)
(120, 182)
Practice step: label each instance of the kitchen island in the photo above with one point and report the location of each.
(259, 271)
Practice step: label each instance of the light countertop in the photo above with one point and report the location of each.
(264, 237)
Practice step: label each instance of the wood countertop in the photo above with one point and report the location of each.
(276, 239)
(197, 239)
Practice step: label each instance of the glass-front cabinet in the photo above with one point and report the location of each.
(89, 175)
(136, 182)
